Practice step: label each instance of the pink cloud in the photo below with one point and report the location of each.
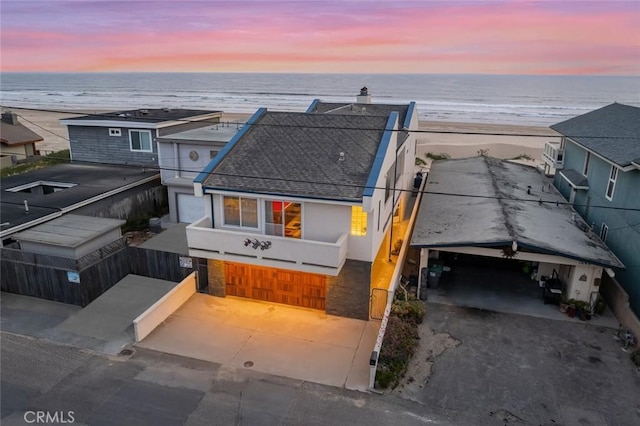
(509, 37)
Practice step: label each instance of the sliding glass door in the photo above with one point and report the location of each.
(283, 218)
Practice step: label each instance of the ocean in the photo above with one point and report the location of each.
(499, 99)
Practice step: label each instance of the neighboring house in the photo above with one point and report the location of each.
(299, 205)
(487, 207)
(129, 137)
(600, 175)
(17, 141)
(182, 157)
(38, 196)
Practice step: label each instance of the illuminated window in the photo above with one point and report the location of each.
(283, 218)
(358, 221)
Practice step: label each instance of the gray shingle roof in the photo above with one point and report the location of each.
(157, 115)
(489, 211)
(576, 178)
(612, 131)
(380, 110)
(297, 154)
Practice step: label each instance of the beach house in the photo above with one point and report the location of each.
(181, 157)
(298, 206)
(129, 137)
(17, 142)
(600, 176)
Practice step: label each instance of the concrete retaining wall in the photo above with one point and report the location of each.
(167, 305)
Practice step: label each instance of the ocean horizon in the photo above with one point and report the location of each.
(475, 98)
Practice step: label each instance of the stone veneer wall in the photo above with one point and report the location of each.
(215, 273)
(348, 293)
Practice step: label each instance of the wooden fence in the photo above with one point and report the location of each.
(81, 281)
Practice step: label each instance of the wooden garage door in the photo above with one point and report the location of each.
(275, 285)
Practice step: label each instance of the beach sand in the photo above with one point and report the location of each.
(496, 140)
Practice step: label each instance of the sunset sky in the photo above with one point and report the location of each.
(498, 37)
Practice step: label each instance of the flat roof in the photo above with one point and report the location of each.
(69, 230)
(222, 132)
(142, 115)
(487, 202)
(90, 181)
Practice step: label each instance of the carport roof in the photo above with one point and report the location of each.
(487, 202)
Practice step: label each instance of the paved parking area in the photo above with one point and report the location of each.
(499, 285)
(283, 340)
(506, 368)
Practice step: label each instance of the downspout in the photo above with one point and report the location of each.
(393, 206)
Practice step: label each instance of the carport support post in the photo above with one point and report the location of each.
(424, 261)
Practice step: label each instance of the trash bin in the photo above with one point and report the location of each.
(435, 273)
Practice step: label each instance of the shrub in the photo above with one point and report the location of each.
(400, 342)
(411, 311)
(523, 157)
(441, 156)
(420, 161)
(37, 163)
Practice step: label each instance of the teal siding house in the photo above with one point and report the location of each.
(597, 168)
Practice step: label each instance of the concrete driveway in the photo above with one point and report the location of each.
(506, 368)
(270, 338)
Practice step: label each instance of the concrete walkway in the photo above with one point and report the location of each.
(106, 324)
(271, 338)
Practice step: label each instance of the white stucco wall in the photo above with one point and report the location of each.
(581, 282)
(175, 161)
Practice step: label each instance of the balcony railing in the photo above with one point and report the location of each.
(324, 257)
(553, 154)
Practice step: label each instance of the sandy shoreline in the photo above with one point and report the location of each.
(458, 140)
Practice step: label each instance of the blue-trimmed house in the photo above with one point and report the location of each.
(299, 205)
(597, 167)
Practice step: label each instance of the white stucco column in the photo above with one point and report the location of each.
(424, 260)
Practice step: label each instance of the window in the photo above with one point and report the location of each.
(115, 132)
(587, 160)
(283, 219)
(358, 221)
(140, 140)
(611, 186)
(388, 187)
(212, 154)
(604, 230)
(240, 211)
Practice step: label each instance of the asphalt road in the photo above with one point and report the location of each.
(525, 370)
(484, 368)
(150, 388)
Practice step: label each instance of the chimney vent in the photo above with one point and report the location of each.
(364, 97)
(10, 117)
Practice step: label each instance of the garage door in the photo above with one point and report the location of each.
(275, 285)
(190, 208)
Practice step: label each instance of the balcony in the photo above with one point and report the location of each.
(553, 155)
(320, 257)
